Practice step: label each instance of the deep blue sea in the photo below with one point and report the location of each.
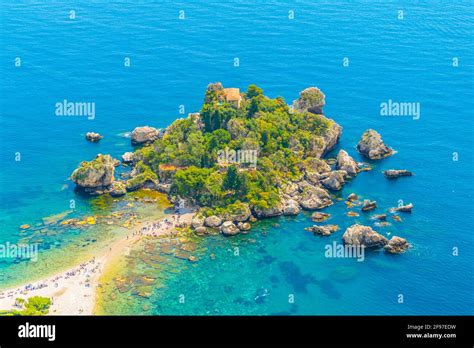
(407, 56)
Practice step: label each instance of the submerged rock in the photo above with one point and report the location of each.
(368, 205)
(228, 228)
(363, 235)
(319, 216)
(93, 137)
(347, 163)
(143, 135)
(396, 173)
(325, 230)
(372, 146)
(96, 175)
(396, 245)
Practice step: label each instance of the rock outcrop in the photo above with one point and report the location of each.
(244, 226)
(240, 213)
(128, 157)
(311, 100)
(372, 146)
(314, 198)
(144, 135)
(352, 197)
(95, 176)
(117, 189)
(320, 217)
(368, 205)
(291, 207)
(347, 163)
(269, 212)
(396, 245)
(212, 221)
(363, 235)
(396, 173)
(197, 221)
(325, 230)
(228, 228)
(334, 180)
(93, 137)
(405, 208)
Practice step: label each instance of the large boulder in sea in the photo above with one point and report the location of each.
(334, 180)
(96, 175)
(372, 146)
(314, 198)
(228, 228)
(93, 137)
(363, 235)
(396, 173)
(144, 135)
(347, 163)
(323, 230)
(128, 157)
(396, 245)
(311, 99)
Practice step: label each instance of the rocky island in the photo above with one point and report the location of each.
(290, 172)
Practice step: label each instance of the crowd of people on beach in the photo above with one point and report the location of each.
(87, 268)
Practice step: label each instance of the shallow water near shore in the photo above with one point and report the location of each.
(172, 61)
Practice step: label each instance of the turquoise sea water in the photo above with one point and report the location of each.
(172, 61)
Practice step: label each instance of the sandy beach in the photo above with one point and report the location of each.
(73, 291)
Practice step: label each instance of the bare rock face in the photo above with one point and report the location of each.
(334, 180)
(372, 146)
(291, 207)
(212, 221)
(325, 230)
(331, 137)
(96, 175)
(117, 189)
(314, 198)
(144, 135)
(368, 205)
(229, 229)
(396, 173)
(347, 163)
(311, 99)
(363, 235)
(93, 137)
(396, 245)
